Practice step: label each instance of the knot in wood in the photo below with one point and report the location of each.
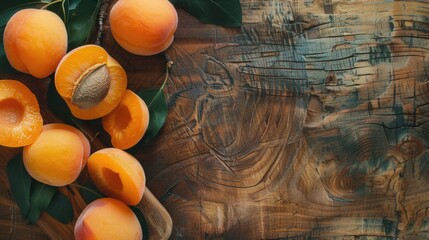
(411, 147)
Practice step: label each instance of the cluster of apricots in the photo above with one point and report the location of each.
(93, 85)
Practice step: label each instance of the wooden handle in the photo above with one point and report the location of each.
(158, 219)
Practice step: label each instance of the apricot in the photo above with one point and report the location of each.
(107, 218)
(34, 41)
(58, 155)
(20, 118)
(143, 27)
(117, 174)
(128, 122)
(90, 81)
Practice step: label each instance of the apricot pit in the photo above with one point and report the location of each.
(90, 81)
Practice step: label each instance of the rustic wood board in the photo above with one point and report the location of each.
(308, 122)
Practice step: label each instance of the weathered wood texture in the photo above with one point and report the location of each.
(309, 122)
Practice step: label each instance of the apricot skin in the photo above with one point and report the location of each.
(107, 218)
(128, 122)
(34, 41)
(74, 65)
(117, 174)
(57, 156)
(143, 27)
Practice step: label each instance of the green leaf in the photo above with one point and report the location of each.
(155, 100)
(60, 208)
(5, 4)
(89, 192)
(7, 13)
(83, 16)
(40, 197)
(225, 13)
(142, 220)
(57, 104)
(20, 183)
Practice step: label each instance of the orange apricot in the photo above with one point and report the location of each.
(57, 156)
(128, 122)
(107, 218)
(85, 142)
(90, 81)
(20, 118)
(117, 174)
(143, 27)
(34, 41)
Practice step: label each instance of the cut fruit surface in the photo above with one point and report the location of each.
(117, 174)
(128, 122)
(90, 81)
(20, 118)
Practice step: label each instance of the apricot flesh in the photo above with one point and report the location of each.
(117, 174)
(107, 218)
(57, 156)
(128, 122)
(20, 118)
(143, 27)
(90, 81)
(34, 41)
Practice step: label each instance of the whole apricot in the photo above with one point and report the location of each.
(20, 118)
(143, 27)
(117, 174)
(57, 156)
(34, 41)
(90, 81)
(107, 218)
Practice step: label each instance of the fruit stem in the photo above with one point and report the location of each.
(51, 3)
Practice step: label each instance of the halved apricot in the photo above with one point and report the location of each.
(20, 118)
(117, 174)
(90, 81)
(128, 122)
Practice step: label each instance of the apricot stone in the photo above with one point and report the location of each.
(143, 27)
(57, 156)
(117, 174)
(90, 81)
(34, 41)
(107, 218)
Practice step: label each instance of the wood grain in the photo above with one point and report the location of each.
(308, 122)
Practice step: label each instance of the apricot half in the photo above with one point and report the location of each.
(34, 41)
(128, 122)
(20, 118)
(107, 218)
(57, 156)
(117, 174)
(143, 27)
(90, 81)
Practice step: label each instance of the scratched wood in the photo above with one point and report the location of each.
(308, 122)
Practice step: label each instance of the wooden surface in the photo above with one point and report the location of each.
(309, 122)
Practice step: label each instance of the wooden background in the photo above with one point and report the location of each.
(308, 122)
